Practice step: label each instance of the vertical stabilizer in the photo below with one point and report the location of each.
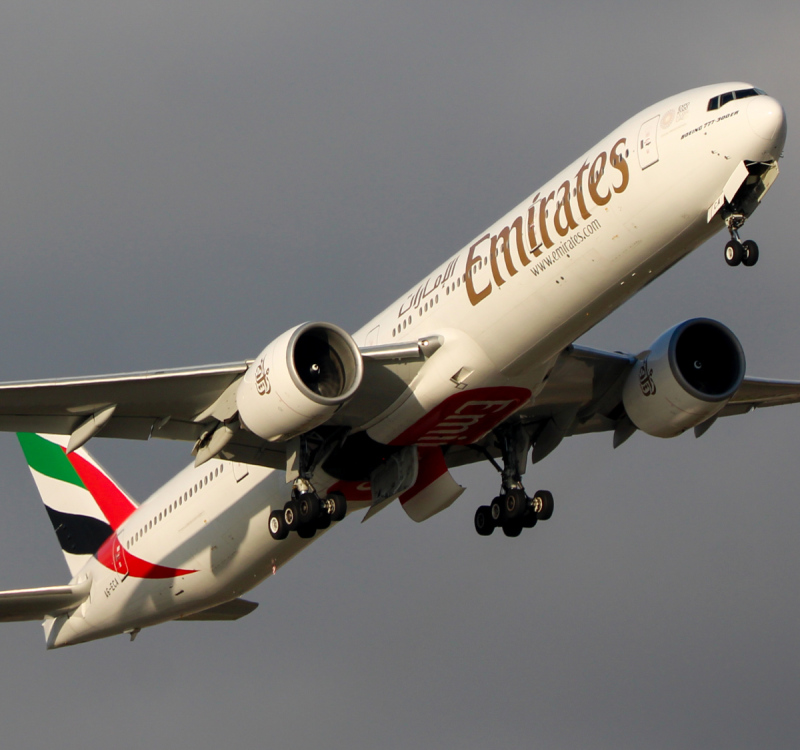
(84, 503)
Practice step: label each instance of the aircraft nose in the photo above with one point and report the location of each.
(768, 120)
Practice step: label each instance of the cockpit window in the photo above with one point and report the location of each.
(720, 101)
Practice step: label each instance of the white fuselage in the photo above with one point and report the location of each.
(509, 302)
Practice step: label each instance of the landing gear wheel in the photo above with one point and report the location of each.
(484, 524)
(750, 253)
(529, 520)
(277, 526)
(543, 504)
(290, 516)
(498, 514)
(514, 504)
(512, 528)
(734, 252)
(306, 530)
(323, 521)
(307, 506)
(338, 503)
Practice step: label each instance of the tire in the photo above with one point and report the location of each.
(339, 506)
(484, 524)
(515, 503)
(497, 511)
(529, 520)
(512, 528)
(277, 526)
(323, 521)
(290, 516)
(545, 499)
(734, 252)
(307, 507)
(750, 253)
(306, 530)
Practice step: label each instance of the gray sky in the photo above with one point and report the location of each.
(181, 182)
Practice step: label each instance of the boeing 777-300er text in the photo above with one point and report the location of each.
(475, 362)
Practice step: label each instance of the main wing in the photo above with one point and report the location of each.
(185, 404)
(584, 394)
(160, 403)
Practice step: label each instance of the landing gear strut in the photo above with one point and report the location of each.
(512, 510)
(736, 251)
(306, 512)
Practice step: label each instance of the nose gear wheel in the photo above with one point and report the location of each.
(737, 251)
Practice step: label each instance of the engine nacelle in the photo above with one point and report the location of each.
(688, 375)
(299, 381)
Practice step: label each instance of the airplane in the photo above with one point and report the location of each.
(477, 362)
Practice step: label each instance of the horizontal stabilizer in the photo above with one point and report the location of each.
(232, 610)
(35, 604)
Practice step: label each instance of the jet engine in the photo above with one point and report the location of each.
(685, 378)
(299, 381)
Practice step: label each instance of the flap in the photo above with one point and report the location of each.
(435, 489)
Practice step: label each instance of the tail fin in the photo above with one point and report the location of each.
(84, 504)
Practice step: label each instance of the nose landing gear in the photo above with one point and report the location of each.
(512, 510)
(736, 251)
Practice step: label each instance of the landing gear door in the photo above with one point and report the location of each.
(648, 149)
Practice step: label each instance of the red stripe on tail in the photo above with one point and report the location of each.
(116, 507)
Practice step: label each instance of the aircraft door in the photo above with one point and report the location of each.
(373, 335)
(647, 146)
(118, 555)
(240, 470)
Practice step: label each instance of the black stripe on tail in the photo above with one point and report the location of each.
(78, 535)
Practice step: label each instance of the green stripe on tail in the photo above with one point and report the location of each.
(48, 458)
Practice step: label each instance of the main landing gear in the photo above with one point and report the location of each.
(512, 510)
(306, 512)
(736, 251)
